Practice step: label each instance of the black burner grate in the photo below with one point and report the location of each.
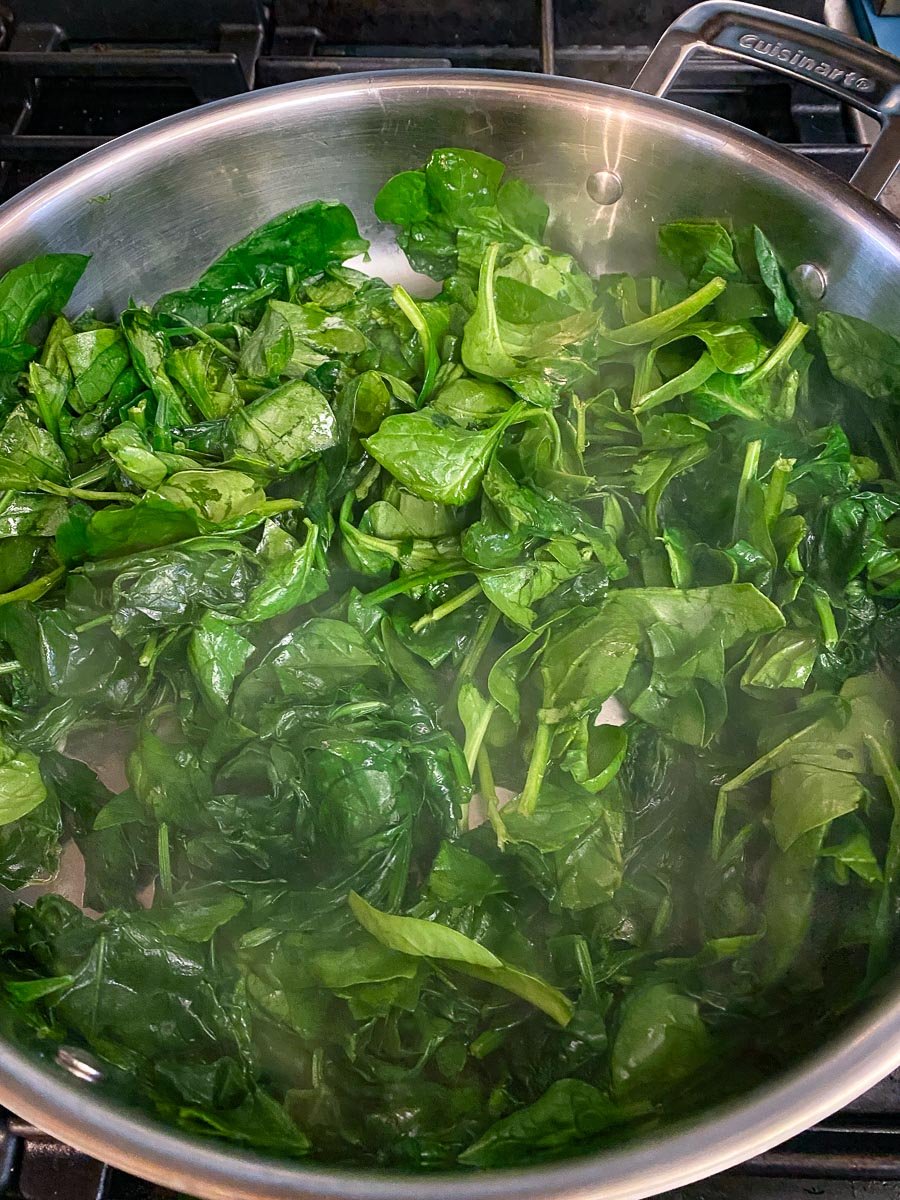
(74, 73)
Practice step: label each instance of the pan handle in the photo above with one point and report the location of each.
(851, 70)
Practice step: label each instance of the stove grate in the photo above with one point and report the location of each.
(74, 75)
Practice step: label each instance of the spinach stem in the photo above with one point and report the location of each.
(692, 378)
(48, 416)
(651, 511)
(482, 347)
(165, 859)
(416, 579)
(357, 708)
(57, 489)
(448, 607)
(775, 492)
(317, 1067)
(661, 917)
(580, 407)
(149, 650)
(92, 476)
(643, 377)
(96, 623)
(487, 1042)
(190, 327)
(891, 452)
(7, 668)
(654, 295)
(748, 474)
(35, 589)
(734, 847)
(537, 767)
(98, 980)
(790, 340)
(478, 645)
(416, 318)
(474, 743)
(278, 506)
(586, 967)
(650, 328)
(488, 791)
(826, 617)
(486, 785)
(718, 826)
(103, 497)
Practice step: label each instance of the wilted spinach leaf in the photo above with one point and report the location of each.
(491, 699)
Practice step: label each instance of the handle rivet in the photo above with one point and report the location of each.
(810, 281)
(604, 187)
(79, 1063)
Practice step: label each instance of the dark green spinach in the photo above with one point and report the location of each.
(491, 700)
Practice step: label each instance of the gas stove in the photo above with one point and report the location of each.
(75, 73)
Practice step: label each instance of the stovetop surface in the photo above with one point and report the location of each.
(74, 73)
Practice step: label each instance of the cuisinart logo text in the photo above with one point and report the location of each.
(801, 61)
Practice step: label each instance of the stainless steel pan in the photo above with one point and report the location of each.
(156, 206)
